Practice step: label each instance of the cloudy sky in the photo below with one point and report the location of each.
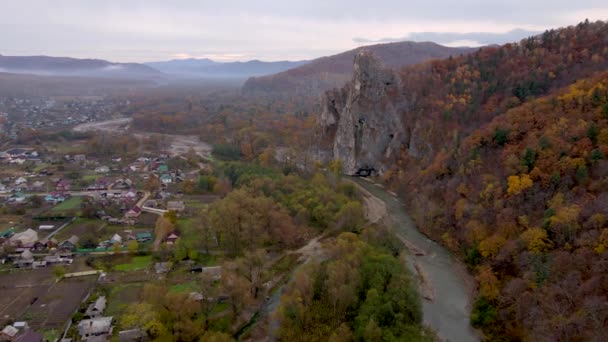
(150, 30)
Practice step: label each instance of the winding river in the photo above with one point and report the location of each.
(446, 278)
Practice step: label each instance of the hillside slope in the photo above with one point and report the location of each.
(503, 160)
(334, 71)
(65, 66)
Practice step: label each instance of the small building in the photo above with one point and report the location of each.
(38, 185)
(26, 259)
(102, 169)
(9, 333)
(116, 239)
(162, 267)
(134, 212)
(63, 185)
(80, 157)
(46, 227)
(96, 308)
(171, 239)
(166, 178)
(70, 244)
(143, 237)
(54, 198)
(177, 206)
(99, 326)
(20, 181)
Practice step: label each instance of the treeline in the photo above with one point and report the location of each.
(277, 211)
(362, 292)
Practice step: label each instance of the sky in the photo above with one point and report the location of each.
(230, 30)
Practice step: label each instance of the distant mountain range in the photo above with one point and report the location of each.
(334, 71)
(207, 68)
(65, 66)
(290, 77)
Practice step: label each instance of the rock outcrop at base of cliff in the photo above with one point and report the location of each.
(361, 122)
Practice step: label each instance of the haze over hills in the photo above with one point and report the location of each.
(333, 71)
(66, 66)
(207, 68)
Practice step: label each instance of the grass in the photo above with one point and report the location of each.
(73, 203)
(90, 177)
(220, 307)
(121, 296)
(137, 263)
(184, 287)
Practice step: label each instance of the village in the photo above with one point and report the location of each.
(76, 237)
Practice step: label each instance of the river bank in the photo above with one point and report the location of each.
(446, 286)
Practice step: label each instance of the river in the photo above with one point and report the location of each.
(449, 311)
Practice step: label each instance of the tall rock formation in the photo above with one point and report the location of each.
(362, 120)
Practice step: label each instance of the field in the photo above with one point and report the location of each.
(34, 296)
(71, 204)
(79, 228)
(137, 263)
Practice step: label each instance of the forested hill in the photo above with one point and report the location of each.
(333, 71)
(504, 162)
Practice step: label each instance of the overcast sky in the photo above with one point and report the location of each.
(150, 30)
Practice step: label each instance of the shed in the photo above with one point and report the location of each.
(96, 308)
(95, 327)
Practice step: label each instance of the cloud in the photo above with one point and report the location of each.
(151, 30)
(457, 39)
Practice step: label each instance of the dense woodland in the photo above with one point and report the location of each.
(515, 181)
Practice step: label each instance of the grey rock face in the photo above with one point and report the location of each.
(363, 118)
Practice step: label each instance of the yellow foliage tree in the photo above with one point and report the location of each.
(490, 246)
(536, 238)
(517, 184)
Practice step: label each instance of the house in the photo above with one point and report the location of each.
(20, 181)
(178, 206)
(166, 178)
(122, 184)
(9, 333)
(57, 260)
(98, 326)
(70, 244)
(80, 157)
(171, 239)
(134, 212)
(16, 152)
(2, 188)
(63, 185)
(130, 194)
(54, 198)
(25, 239)
(144, 237)
(26, 259)
(162, 267)
(101, 183)
(17, 198)
(96, 308)
(38, 186)
(215, 272)
(45, 243)
(102, 169)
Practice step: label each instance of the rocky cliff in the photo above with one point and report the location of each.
(361, 122)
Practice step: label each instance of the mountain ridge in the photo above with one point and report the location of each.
(333, 71)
